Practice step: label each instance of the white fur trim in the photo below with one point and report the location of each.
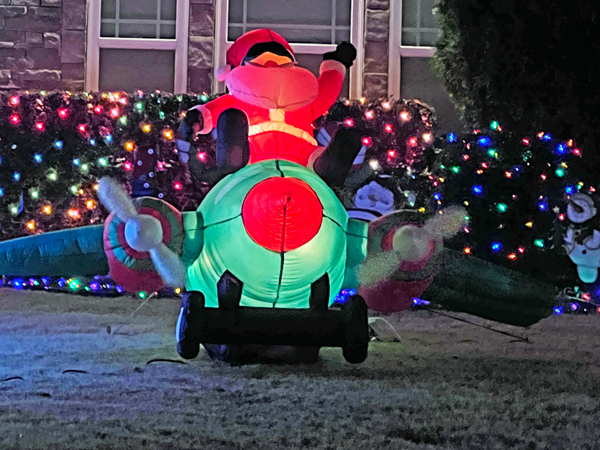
(206, 118)
(331, 64)
(223, 72)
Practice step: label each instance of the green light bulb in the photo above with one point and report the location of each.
(14, 210)
(442, 166)
(35, 194)
(161, 114)
(494, 125)
(85, 168)
(539, 243)
(139, 106)
(103, 162)
(560, 172)
(502, 207)
(123, 120)
(52, 176)
(142, 294)
(74, 284)
(455, 169)
(74, 189)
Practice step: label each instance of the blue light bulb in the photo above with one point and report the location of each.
(16, 176)
(558, 310)
(37, 158)
(92, 141)
(570, 189)
(437, 196)
(108, 139)
(542, 205)
(561, 149)
(1, 192)
(76, 162)
(496, 246)
(58, 144)
(547, 137)
(451, 138)
(484, 141)
(477, 189)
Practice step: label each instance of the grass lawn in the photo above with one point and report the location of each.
(447, 385)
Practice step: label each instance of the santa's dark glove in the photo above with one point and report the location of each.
(186, 128)
(344, 53)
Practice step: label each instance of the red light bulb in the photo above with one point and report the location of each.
(40, 126)
(63, 113)
(82, 128)
(367, 140)
(177, 185)
(15, 119)
(128, 165)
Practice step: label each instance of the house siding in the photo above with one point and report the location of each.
(42, 44)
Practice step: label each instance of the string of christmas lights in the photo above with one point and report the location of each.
(515, 190)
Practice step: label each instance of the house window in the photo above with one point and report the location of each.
(312, 27)
(414, 30)
(137, 44)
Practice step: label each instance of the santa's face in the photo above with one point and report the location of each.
(273, 82)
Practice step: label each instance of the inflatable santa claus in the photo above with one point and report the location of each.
(270, 110)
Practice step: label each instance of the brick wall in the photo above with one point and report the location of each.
(201, 44)
(375, 81)
(42, 44)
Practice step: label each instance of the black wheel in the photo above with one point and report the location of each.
(188, 325)
(356, 325)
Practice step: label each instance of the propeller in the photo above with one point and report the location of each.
(143, 232)
(411, 243)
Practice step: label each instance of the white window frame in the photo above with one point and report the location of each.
(95, 43)
(357, 25)
(397, 51)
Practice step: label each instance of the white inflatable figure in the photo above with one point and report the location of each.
(581, 208)
(583, 250)
(375, 197)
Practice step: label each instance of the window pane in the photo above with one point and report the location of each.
(300, 35)
(137, 9)
(128, 70)
(428, 19)
(168, 9)
(299, 21)
(410, 12)
(429, 38)
(107, 30)
(419, 24)
(342, 35)
(167, 32)
(313, 62)
(343, 9)
(313, 12)
(108, 9)
(236, 11)
(234, 33)
(409, 38)
(137, 30)
(418, 81)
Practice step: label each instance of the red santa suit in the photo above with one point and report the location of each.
(280, 132)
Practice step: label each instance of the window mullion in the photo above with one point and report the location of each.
(158, 7)
(117, 16)
(333, 20)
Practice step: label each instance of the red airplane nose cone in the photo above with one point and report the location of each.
(282, 214)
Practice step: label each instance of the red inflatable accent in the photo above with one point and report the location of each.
(390, 296)
(282, 214)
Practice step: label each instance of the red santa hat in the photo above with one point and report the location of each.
(239, 49)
